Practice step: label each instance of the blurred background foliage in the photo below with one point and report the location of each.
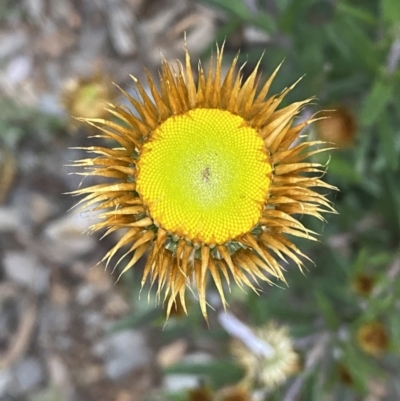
(343, 314)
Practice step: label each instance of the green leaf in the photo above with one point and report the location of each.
(231, 26)
(362, 46)
(387, 134)
(390, 203)
(327, 309)
(395, 331)
(312, 60)
(283, 5)
(332, 32)
(356, 13)
(379, 306)
(263, 21)
(290, 15)
(345, 85)
(375, 102)
(140, 318)
(341, 167)
(239, 9)
(360, 262)
(236, 7)
(391, 10)
(358, 366)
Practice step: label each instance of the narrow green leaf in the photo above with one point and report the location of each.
(358, 366)
(361, 261)
(239, 9)
(362, 46)
(387, 135)
(345, 85)
(391, 10)
(390, 204)
(327, 309)
(232, 25)
(291, 16)
(356, 13)
(332, 32)
(375, 102)
(379, 306)
(342, 168)
(140, 318)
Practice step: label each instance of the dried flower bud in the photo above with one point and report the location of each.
(201, 393)
(373, 338)
(339, 127)
(363, 284)
(87, 97)
(234, 393)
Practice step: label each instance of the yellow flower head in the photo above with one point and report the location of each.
(206, 180)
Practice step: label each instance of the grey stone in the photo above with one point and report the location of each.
(5, 381)
(12, 43)
(176, 383)
(41, 208)
(18, 69)
(121, 22)
(86, 294)
(28, 374)
(122, 352)
(49, 104)
(65, 238)
(9, 219)
(94, 324)
(24, 269)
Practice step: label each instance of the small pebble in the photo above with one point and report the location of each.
(23, 268)
(29, 374)
(122, 352)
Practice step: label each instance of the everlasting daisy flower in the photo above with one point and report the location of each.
(272, 368)
(206, 180)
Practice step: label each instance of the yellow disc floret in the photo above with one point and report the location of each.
(204, 175)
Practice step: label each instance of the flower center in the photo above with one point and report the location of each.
(204, 175)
